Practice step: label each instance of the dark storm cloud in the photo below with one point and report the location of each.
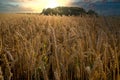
(107, 7)
(97, 0)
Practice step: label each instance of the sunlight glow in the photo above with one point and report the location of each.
(52, 4)
(38, 5)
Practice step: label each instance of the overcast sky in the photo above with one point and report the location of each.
(105, 7)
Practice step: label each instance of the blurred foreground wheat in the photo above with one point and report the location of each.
(38, 47)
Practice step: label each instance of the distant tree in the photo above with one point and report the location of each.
(47, 11)
(91, 12)
(76, 11)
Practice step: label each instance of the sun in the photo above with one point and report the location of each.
(52, 4)
(39, 5)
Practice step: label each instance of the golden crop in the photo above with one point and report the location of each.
(38, 47)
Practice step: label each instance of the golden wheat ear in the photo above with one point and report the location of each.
(1, 74)
(5, 67)
(10, 58)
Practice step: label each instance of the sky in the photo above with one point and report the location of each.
(102, 7)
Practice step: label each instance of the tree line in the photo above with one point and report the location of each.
(68, 11)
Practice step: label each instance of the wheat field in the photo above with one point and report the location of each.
(39, 47)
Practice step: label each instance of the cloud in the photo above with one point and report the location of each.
(103, 8)
(108, 8)
(8, 7)
(27, 5)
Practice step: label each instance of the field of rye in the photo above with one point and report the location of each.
(38, 47)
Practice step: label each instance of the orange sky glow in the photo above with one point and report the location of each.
(38, 5)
